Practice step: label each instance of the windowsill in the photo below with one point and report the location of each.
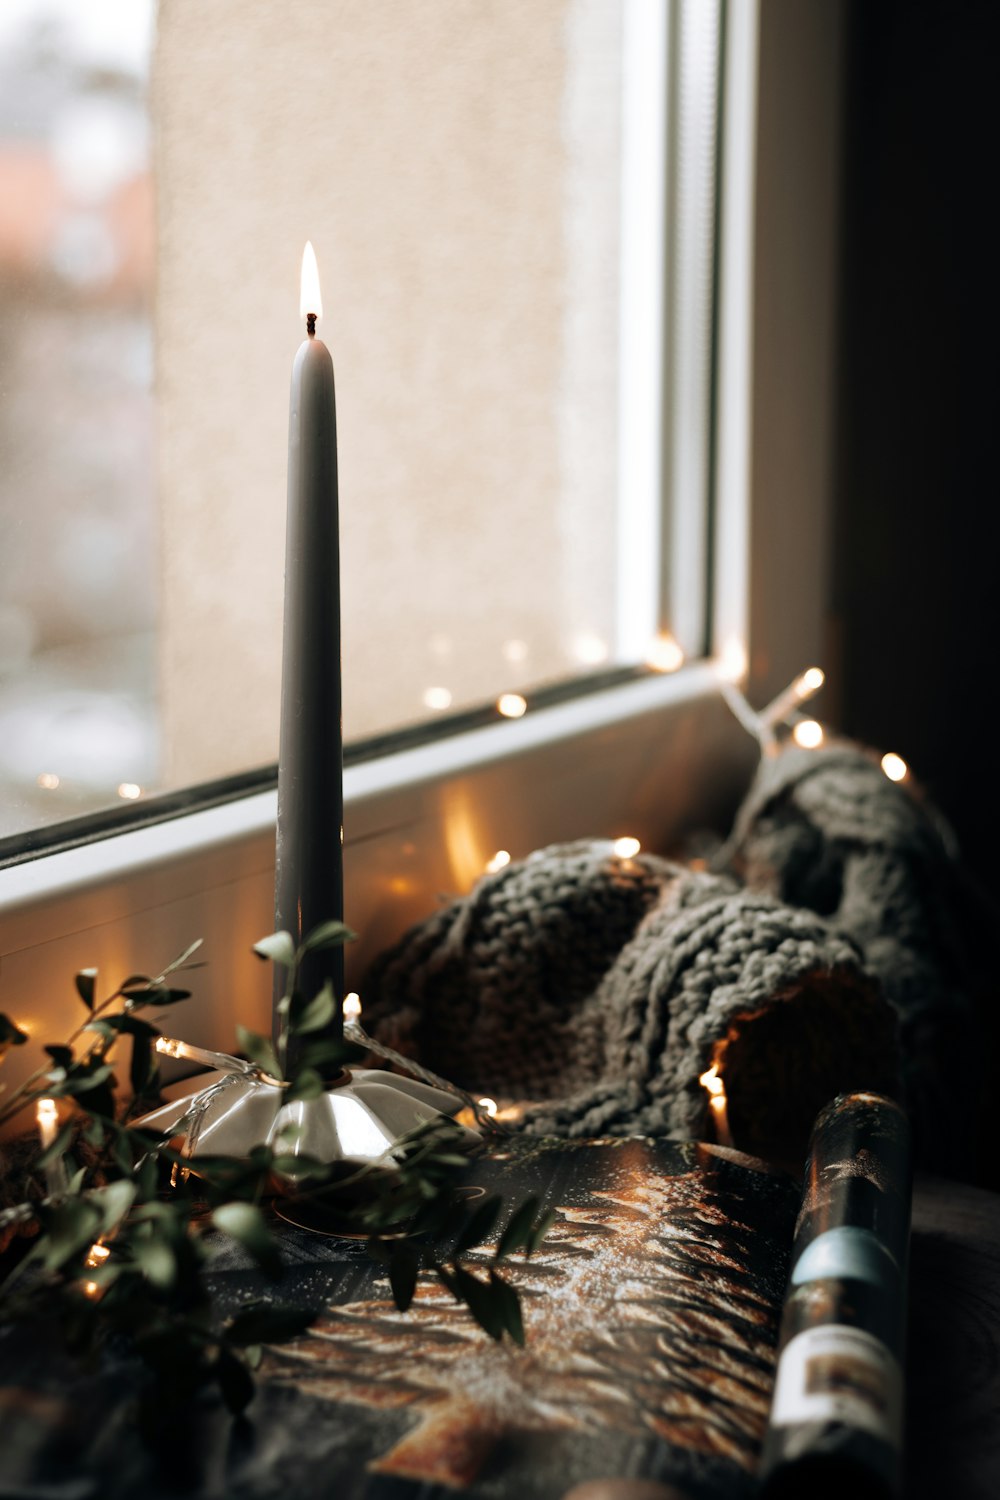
(128, 854)
(652, 758)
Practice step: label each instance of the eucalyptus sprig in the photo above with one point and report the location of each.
(300, 1016)
(127, 1248)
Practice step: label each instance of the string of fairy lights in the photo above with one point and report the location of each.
(783, 717)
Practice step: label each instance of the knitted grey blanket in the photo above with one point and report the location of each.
(601, 988)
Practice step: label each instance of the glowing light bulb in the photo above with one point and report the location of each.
(352, 1006)
(130, 790)
(437, 698)
(490, 1106)
(717, 1103)
(895, 766)
(500, 858)
(97, 1255)
(808, 734)
(47, 780)
(711, 1081)
(625, 848)
(171, 1047)
(732, 663)
(47, 1116)
(664, 654)
(810, 682)
(590, 649)
(512, 705)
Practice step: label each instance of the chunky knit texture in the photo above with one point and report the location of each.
(602, 987)
(827, 831)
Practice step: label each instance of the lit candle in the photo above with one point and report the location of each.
(309, 883)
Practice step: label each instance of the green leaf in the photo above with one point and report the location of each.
(86, 1076)
(85, 981)
(234, 1380)
(70, 1226)
(155, 994)
(509, 1306)
(307, 1084)
(299, 1165)
(10, 1034)
(58, 1146)
(182, 958)
(279, 947)
(245, 1222)
(142, 1067)
(147, 1177)
(155, 1257)
(319, 1012)
(113, 1201)
(260, 1050)
(537, 1236)
(479, 1226)
(518, 1231)
(268, 1323)
(94, 1133)
(482, 1301)
(125, 1021)
(404, 1266)
(330, 1050)
(135, 982)
(103, 1029)
(327, 935)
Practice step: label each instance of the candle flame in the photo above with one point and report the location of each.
(352, 1006)
(310, 300)
(711, 1081)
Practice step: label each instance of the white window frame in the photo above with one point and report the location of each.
(650, 758)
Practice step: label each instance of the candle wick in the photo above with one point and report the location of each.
(310, 323)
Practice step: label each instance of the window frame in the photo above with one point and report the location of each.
(648, 757)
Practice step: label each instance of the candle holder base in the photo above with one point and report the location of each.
(358, 1118)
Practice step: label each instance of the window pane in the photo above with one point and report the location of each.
(77, 538)
(484, 185)
(458, 172)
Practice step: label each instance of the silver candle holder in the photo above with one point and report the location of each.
(359, 1117)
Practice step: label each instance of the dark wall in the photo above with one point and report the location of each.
(917, 565)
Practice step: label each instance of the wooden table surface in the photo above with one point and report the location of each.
(953, 1357)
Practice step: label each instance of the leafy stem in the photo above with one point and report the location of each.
(125, 1248)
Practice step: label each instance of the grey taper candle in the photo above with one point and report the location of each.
(309, 881)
